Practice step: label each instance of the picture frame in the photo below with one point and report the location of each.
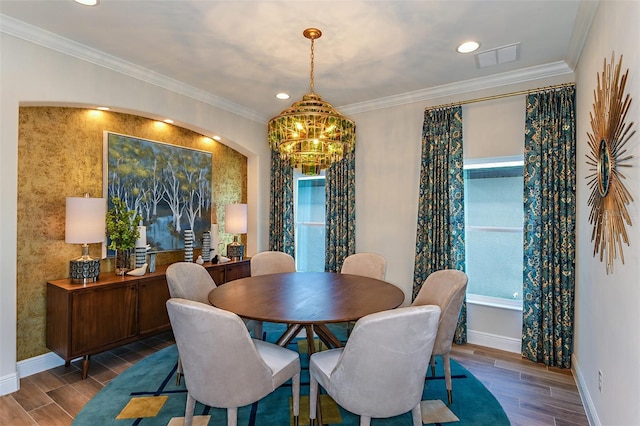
(169, 185)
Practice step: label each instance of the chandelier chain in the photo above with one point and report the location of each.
(312, 85)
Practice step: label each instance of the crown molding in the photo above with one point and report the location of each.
(586, 14)
(30, 33)
(52, 41)
(462, 87)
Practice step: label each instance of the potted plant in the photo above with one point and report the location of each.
(122, 231)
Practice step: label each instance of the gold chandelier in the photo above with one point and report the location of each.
(311, 134)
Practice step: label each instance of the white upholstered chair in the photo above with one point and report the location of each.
(370, 265)
(187, 280)
(447, 289)
(272, 262)
(380, 371)
(223, 366)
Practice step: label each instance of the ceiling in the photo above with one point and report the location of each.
(238, 54)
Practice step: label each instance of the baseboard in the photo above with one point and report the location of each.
(25, 368)
(503, 343)
(9, 384)
(585, 396)
(38, 364)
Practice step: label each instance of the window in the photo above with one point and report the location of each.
(493, 224)
(309, 215)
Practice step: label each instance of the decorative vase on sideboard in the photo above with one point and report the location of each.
(123, 261)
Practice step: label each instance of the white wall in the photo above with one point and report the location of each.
(35, 75)
(607, 334)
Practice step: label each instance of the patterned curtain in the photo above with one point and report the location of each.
(340, 190)
(281, 206)
(440, 231)
(549, 227)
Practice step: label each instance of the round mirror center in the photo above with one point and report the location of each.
(604, 168)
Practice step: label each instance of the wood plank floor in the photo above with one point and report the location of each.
(531, 394)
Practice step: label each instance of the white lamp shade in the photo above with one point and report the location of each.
(235, 219)
(86, 220)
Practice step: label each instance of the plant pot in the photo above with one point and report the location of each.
(123, 261)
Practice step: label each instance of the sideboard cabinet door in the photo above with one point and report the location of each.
(217, 274)
(153, 294)
(102, 316)
(238, 270)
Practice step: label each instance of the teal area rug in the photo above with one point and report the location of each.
(146, 394)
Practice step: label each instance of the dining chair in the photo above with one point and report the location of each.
(223, 366)
(191, 281)
(272, 262)
(380, 371)
(447, 289)
(370, 265)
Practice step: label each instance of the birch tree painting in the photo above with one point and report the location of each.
(169, 186)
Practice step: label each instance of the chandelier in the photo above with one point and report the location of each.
(311, 134)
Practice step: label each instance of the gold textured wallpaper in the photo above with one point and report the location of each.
(60, 154)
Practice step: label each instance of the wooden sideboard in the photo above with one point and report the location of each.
(86, 319)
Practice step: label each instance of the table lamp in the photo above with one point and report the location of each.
(85, 224)
(235, 222)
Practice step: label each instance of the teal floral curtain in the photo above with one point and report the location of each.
(340, 196)
(440, 231)
(549, 227)
(281, 206)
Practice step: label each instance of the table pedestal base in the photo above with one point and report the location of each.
(324, 334)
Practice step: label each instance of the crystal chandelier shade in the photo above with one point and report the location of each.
(311, 134)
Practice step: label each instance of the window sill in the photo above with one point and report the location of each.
(494, 302)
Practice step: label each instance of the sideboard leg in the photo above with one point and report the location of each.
(85, 366)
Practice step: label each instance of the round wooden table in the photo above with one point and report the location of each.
(306, 300)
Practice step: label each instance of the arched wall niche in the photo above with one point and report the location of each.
(60, 154)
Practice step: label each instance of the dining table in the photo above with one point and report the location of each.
(306, 301)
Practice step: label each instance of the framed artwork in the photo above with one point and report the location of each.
(170, 186)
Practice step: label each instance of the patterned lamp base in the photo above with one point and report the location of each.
(235, 250)
(83, 271)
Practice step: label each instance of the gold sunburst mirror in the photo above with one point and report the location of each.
(609, 134)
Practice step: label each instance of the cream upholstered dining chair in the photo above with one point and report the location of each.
(447, 289)
(380, 371)
(223, 366)
(272, 262)
(191, 281)
(370, 265)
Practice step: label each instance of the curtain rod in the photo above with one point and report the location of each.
(504, 95)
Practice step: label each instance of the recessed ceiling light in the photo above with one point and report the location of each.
(87, 2)
(168, 120)
(218, 138)
(468, 47)
(103, 108)
(282, 95)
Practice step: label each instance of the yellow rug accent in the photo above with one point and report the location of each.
(197, 421)
(330, 410)
(303, 346)
(144, 406)
(435, 411)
